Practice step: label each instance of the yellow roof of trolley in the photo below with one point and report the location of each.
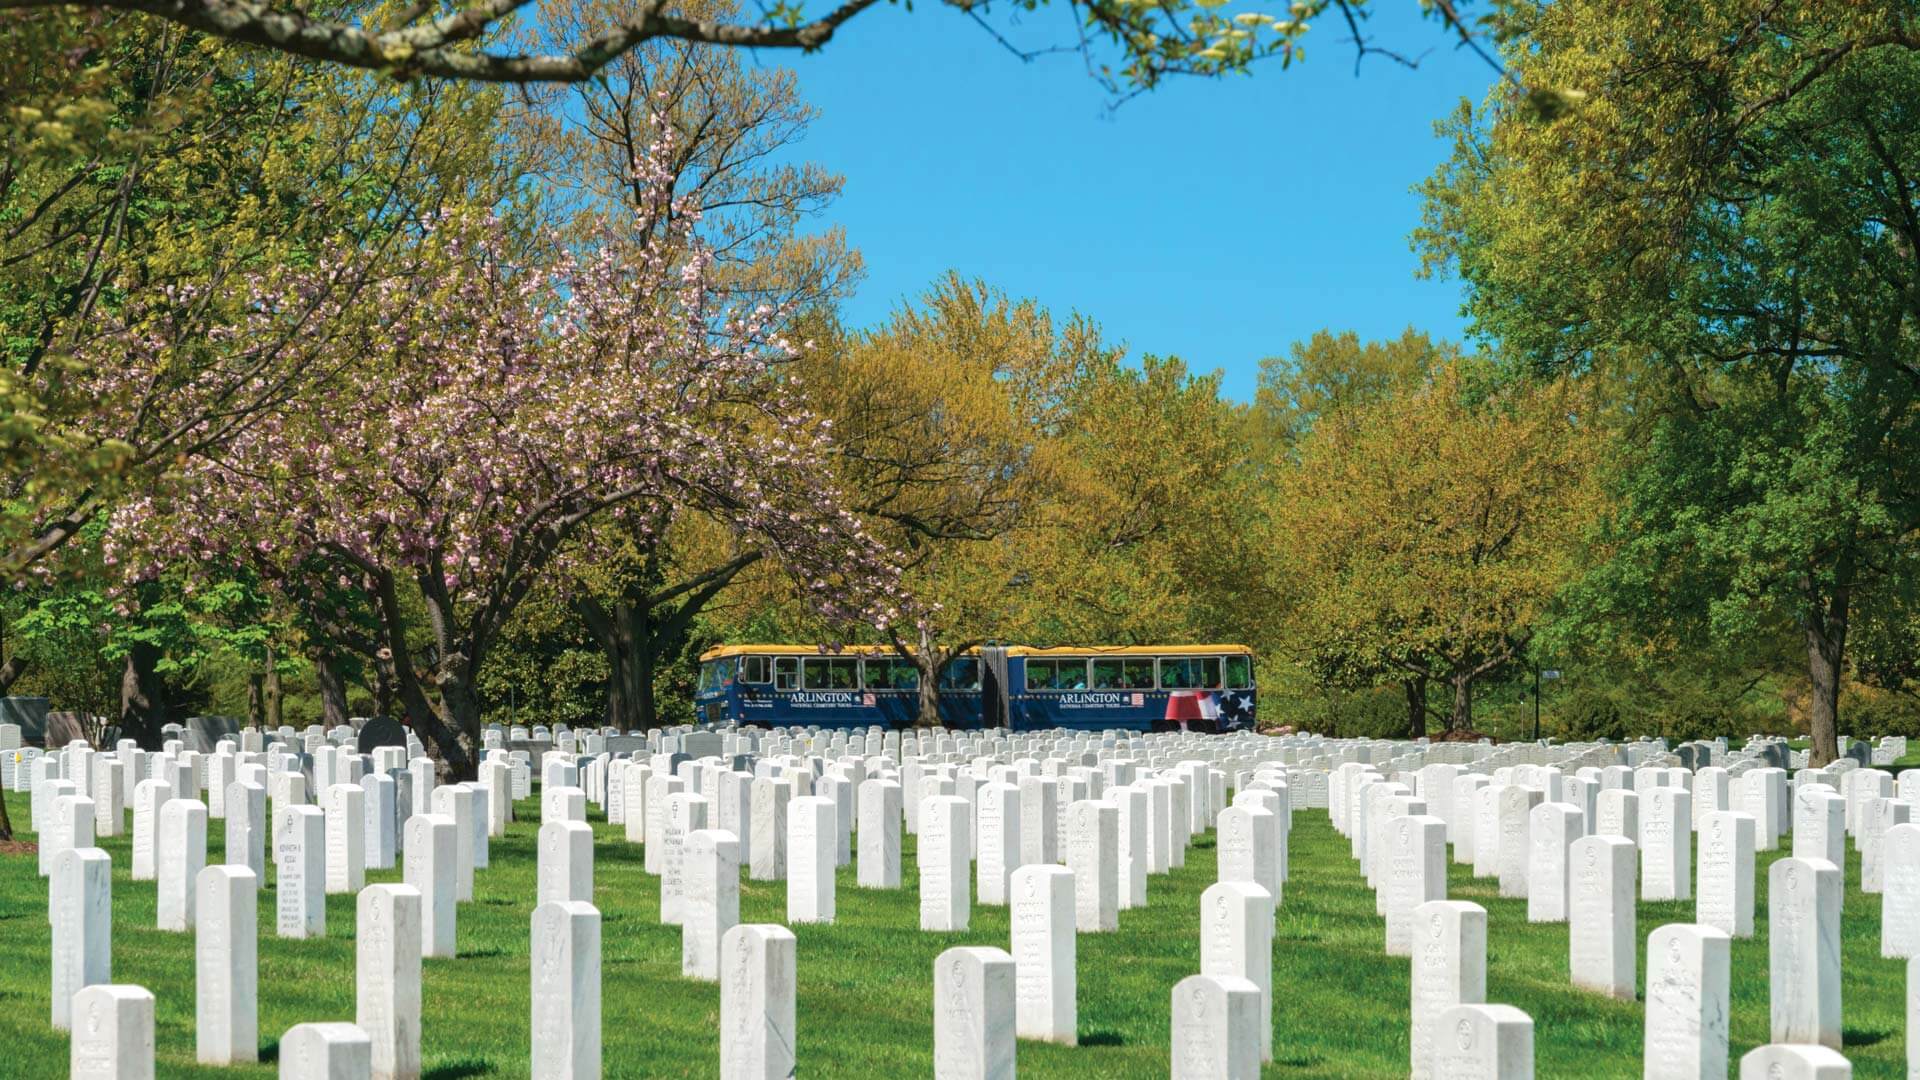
(1125, 650)
(721, 652)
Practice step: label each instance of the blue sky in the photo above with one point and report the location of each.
(1216, 220)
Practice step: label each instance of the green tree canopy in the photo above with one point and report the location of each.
(1728, 229)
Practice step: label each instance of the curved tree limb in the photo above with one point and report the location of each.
(435, 48)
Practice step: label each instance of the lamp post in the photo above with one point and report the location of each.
(1538, 674)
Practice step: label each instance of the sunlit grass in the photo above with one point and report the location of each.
(864, 982)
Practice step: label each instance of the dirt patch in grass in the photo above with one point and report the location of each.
(19, 847)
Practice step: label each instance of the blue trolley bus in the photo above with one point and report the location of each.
(1136, 687)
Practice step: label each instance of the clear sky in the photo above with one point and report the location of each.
(1216, 220)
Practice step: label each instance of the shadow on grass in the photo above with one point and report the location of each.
(1102, 1038)
(459, 1070)
(1856, 1037)
(473, 954)
(270, 1052)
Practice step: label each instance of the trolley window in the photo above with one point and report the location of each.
(1123, 673)
(892, 673)
(754, 669)
(1190, 672)
(830, 673)
(1237, 672)
(1056, 674)
(715, 675)
(960, 673)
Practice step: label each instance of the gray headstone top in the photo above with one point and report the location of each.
(28, 712)
(205, 732)
(381, 731)
(699, 744)
(535, 749)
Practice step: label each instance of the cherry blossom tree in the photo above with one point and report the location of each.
(494, 413)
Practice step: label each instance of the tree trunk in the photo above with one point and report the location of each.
(333, 690)
(143, 697)
(14, 666)
(271, 696)
(929, 711)
(927, 660)
(1416, 688)
(9, 671)
(616, 716)
(1826, 652)
(644, 626)
(640, 664)
(453, 729)
(256, 711)
(385, 691)
(452, 725)
(1461, 718)
(629, 703)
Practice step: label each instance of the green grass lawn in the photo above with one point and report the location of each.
(864, 983)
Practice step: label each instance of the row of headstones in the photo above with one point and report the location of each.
(340, 842)
(933, 745)
(1012, 817)
(1316, 753)
(1587, 881)
(1219, 1021)
(111, 1026)
(1068, 873)
(316, 851)
(1219, 1018)
(109, 777)
(1309, 750)
(114, 1041)
(300, 917)
(726, 740)
(1530, 821)
(1049, 904)
(397, 924)
(1455, 1033)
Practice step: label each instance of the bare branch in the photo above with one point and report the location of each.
(431, 48)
